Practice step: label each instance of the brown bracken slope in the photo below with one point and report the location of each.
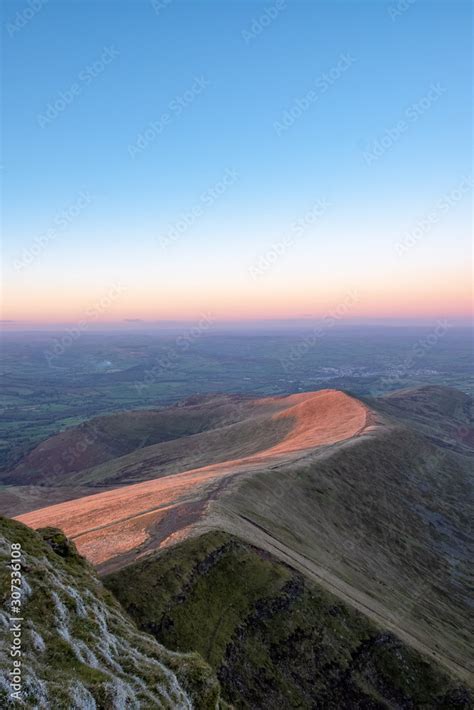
(125, 522)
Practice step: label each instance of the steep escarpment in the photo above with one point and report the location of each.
(273, 637)
(79, 648)
(384, 522)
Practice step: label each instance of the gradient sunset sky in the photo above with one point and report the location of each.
(165, 160)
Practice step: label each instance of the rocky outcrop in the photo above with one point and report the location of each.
(79, 650)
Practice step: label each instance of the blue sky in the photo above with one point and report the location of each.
(224, 74)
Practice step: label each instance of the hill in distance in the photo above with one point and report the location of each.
(274, 431)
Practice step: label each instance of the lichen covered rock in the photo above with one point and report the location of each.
(79, 649)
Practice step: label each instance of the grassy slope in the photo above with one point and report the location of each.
(383, 521)
(108, 437)
(221, 444)
(273, 637)
(442, 414)
(80, 649)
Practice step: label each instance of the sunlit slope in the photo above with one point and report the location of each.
(135, 446)
(132, 519)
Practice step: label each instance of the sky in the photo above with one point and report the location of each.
(238, 160)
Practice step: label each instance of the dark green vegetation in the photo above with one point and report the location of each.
(80, 650)
(52, 381)
(273, 637)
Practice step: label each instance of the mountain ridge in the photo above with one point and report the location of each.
(380, 518)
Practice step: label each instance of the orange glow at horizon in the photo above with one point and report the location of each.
(402, 289)
(118, 304)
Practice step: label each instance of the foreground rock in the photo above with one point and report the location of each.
(80, 651)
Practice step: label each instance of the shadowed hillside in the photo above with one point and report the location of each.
(273, 637)
(443, 414)
(383, 521)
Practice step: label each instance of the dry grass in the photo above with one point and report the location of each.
(110, 524)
